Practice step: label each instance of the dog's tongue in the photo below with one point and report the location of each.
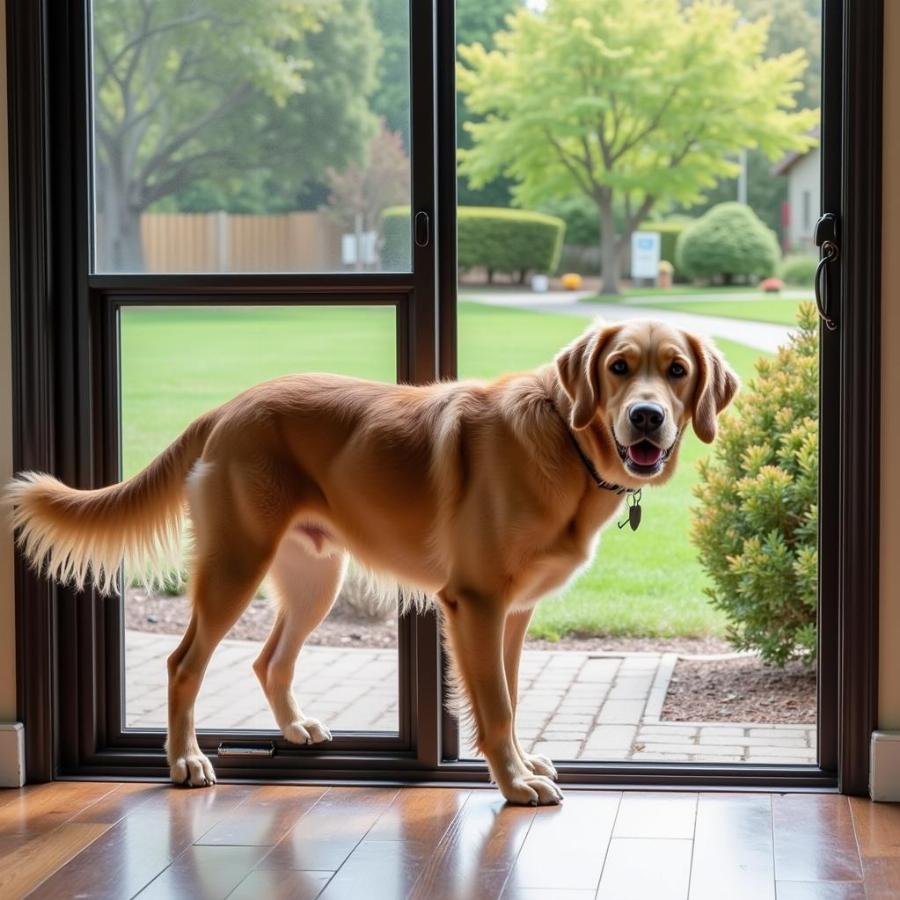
(644, 453)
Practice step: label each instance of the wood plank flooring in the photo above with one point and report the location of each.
(93, 840)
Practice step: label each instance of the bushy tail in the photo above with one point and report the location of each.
(74, 535)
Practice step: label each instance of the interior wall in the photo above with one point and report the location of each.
(889, 625)
(7, 596)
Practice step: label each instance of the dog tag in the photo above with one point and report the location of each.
(634, 516)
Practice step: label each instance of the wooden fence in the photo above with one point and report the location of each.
(226, 242)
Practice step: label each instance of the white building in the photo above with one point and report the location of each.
(803, 205)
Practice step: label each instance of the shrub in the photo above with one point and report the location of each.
(727, 241)
(799, 270)
(500, 240)
(756, 520)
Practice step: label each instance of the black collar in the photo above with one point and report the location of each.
(599, 481)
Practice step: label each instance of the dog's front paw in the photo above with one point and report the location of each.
(541, 765)
(193, 769)
(307, 731)
(532, 790)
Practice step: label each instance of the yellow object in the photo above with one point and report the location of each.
(571, 281)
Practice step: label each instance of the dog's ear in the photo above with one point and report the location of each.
(576, 366)
(716, 386)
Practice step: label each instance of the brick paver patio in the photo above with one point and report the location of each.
(573, 705)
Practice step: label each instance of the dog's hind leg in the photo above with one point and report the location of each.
(221, 588)
(238, 524)
(307, 586)
(513, 640)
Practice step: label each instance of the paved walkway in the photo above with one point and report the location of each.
(573, 705)
(760, 335)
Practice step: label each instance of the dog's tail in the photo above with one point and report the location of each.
(74, 535)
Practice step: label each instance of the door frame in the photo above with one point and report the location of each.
(55, 631)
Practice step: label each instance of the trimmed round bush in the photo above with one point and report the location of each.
(799, 271)
(755, 522)
(511, 241)
(726, 242)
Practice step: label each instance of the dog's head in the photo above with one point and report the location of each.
(636, 386)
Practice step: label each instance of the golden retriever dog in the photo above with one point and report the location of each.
(482, 496)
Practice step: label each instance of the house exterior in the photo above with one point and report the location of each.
(803, 205)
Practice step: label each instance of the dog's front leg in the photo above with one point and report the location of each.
(513, 640)
(475, 627)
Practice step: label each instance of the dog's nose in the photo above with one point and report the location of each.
(646, 417)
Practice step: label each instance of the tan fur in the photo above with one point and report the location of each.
(468, 493)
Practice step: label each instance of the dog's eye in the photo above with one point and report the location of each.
(619, 367)
(677, 370)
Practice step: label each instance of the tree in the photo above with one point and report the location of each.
(476, 22)
(793, 24)
(631, 103)
(219, 100)
(361, 192)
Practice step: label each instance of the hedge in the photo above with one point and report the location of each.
(511, 241)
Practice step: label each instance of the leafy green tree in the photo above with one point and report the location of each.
(224, 100)
(391, 97)
(477, 21)
(794, 24)
(632, 103)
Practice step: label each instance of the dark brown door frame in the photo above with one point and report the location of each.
(49, 284)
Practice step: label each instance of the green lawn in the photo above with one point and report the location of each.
(178, 363)
(778, 311)
(730, 303)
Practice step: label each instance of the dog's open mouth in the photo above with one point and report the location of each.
(643, 457)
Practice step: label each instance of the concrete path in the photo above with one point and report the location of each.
(573, 705)
(759, 335)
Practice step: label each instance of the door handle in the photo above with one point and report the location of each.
(826, 238)
(422, 229)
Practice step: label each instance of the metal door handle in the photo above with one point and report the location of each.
(826, 237)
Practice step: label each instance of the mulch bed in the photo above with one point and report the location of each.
(344, 627)
(741, 689)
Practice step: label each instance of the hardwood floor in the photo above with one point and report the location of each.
(78, 839)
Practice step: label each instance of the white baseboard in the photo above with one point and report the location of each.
(12, 754)
(884, 774)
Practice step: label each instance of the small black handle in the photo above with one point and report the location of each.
(422, 229)
(826, 238)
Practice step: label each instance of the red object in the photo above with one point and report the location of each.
(771, 285)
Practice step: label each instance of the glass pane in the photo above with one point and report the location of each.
(251, 137)
(691, 639)
(176, 364)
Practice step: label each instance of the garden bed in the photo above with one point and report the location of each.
(740, 689)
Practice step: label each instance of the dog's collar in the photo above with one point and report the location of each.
(598, 480)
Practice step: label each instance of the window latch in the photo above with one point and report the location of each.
(422, 229)
(826, 238)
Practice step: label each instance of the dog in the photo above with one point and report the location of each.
(482, 496)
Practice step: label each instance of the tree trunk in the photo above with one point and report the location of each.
(119, 246)
(609, 247)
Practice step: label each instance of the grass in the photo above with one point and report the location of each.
(178, 363)
(779, 312)
(731, 303)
